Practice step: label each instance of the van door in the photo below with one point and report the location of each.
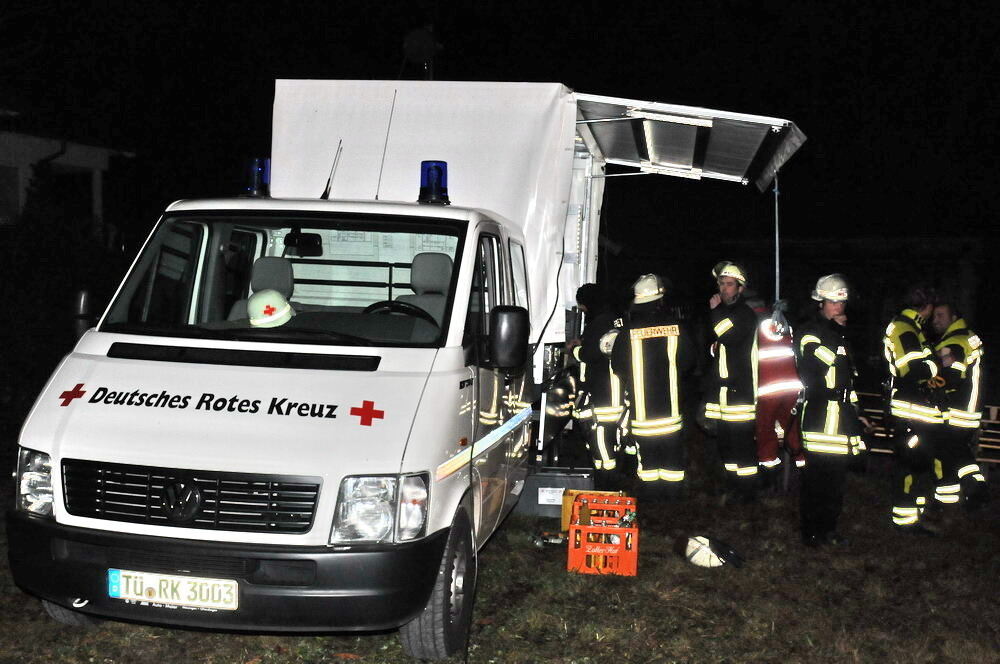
(517, 397)
(489, 465)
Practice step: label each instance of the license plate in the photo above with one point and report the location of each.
(187, 591)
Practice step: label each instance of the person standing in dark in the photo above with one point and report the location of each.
(830, 424)
(914, 375)
(732, 390)
(652, 353)
(960, 351)
(602, 407)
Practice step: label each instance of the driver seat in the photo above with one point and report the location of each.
(430, 275)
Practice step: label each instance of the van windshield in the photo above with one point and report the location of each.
(281, 277)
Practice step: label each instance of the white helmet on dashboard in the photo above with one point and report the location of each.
(268, 308)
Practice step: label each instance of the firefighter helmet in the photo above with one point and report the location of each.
(832, 287)
(607, 342)
(730, 269)
(268, 308)
(647, 288)
(705, 552)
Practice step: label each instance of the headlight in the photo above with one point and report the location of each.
(371, 509)
(365, 510)
(34, 483)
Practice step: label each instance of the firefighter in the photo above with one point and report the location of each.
(732, 389)
(831, 427)
(913, 372)
(960, 351)
(652, 353)
(601, 408)
(778, 388)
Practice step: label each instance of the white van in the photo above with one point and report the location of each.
(184, 466)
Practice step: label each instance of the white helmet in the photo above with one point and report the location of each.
(268, 308)
(703, 552)
(647, 288)
(730, 269)
(607, 342)
(832, 287)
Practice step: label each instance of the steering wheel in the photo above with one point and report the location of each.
(400, 307)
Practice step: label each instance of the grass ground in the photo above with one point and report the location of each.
(884, 598)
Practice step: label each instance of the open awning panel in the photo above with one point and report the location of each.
(686, 141)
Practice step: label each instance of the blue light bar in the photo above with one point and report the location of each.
(434, 182)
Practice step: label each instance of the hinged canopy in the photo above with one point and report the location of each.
(686, 141)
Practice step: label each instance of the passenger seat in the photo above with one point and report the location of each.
(267, 272)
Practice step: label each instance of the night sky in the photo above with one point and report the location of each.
(899, 102)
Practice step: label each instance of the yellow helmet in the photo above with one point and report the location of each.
(269, 308)
(730, 269)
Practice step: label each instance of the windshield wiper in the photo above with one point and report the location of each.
(274, 334)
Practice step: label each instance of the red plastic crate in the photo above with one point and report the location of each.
(603, 546)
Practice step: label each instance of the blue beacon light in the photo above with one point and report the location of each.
(259, 181)
(434, 182)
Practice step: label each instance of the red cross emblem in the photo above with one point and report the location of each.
(269, 310)
(367, 413)
(69, 395)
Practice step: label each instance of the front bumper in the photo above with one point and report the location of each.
(281, 588)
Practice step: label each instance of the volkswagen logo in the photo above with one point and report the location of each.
(181, 501)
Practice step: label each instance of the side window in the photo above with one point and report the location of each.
(167, 292)
(520, 276)
(486, 293)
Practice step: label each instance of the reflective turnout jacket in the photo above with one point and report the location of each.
(732, 391)
(599, 380)
(911, 364)
(651, 353)
(963, 378)
(829, 416)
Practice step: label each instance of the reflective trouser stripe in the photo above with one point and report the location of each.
(606, 460)
(947, 493)
(656, 474)
(741, 471)
(971, 469)
(905, 516)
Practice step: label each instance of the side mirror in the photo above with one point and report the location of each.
(508, 344)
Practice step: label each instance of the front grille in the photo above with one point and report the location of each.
(229, 501)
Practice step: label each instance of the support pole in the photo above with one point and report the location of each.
(777, 243)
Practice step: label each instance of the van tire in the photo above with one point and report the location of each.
(442, 628)
(69, 617)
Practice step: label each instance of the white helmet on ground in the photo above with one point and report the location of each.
(832, 287)
(269, 308)
(647, 288)
(703, 552)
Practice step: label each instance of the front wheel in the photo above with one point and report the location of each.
(442, 627)
(68, 616)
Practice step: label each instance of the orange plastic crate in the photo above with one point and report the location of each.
(602, 546)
